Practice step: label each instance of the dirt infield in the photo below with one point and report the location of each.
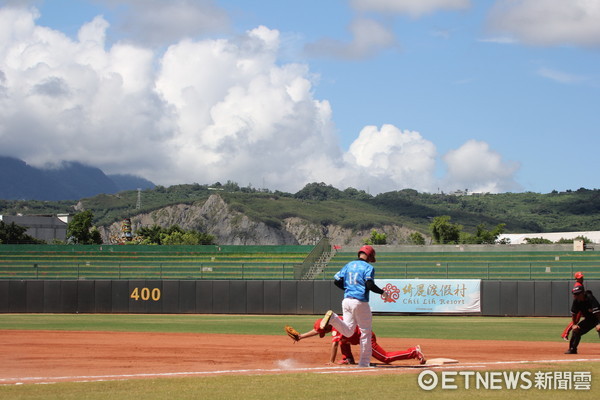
(56, 356)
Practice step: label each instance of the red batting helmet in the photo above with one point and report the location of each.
(578, 275)
(369, 251)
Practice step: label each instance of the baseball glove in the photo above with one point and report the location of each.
(291, 332)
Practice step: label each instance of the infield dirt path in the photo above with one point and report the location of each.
(55, 356)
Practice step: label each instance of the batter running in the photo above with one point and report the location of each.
(357, 279)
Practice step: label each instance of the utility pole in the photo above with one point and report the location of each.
(138, 205)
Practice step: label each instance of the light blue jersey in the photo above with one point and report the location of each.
(355, 275)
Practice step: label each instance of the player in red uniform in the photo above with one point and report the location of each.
(344, 344)
(587, 307)
(578, 282)
(378, 352)
(579, 278)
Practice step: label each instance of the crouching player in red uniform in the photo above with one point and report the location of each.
(587, 307)
(379, 353)
(344, 344)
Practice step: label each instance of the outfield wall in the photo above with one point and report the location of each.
(498, 298)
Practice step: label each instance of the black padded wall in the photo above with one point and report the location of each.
(490, 298)
(52, 296)
(35, 297)
(526, 296)
(103, 297)
(169, 297)
(272, 297)
(17, 296)
(561, 298)
(187, 296)
(508, 298)
(255, 300)
(498, 298)
(542, 298)
(86, 294)
(4, 285)
(204, 297)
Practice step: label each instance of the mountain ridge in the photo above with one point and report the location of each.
(69, 181)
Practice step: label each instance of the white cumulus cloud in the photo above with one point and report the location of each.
(241, 115)
(161, 22)
(202, 110)
(394, 158)
(476, 167)
(548, 22)
(414, 8)
(368, 38)
(75, 100)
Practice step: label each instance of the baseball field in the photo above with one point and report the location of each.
(118, 356)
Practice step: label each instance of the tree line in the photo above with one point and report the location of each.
(81, 231)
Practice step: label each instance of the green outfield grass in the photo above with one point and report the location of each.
(428, 327)
(293, 386)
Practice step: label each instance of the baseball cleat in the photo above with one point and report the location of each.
(420, 355)
(325, 320)
(346, 361)
(571, 351)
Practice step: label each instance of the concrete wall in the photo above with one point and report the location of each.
(499, 298)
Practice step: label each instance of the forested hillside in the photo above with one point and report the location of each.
(350, 208)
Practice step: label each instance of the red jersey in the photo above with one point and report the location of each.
(338, 337)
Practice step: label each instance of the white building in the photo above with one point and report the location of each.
(519, 238)
(43, 227)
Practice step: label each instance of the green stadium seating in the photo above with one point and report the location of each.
(150, 262)
(511, 265)
(278, 262)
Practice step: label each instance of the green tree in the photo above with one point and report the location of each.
(150, 235)
(80, 231)
(319, 192)
(205, 238)
(178, 238)
(95, 236)
(376, 238)
(538, 240)
(173, 235)
(443, 231)
(483, 236)
(15, 234)
(352, 193)
(566, 241)
(187, 238)
(416, 238)
(231, 186)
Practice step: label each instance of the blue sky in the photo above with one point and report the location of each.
(379, 95)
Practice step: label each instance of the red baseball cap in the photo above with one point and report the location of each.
(317, 327)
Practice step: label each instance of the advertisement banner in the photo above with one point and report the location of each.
(428, 296)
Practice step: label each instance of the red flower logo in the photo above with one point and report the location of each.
(394, 293)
